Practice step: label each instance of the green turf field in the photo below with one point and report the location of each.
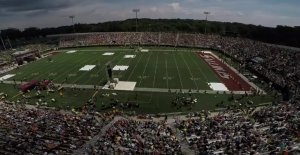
(150, 102)
(159, 68)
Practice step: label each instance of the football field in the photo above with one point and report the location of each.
(158, 68)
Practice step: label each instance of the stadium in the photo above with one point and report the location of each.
(163, 93)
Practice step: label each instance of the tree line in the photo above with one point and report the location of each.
(281, 35)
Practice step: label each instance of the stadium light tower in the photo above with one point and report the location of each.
(136, 11)
(72, 18)
(3, 43)
(206, 13)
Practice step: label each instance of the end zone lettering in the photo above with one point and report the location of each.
(210, 60)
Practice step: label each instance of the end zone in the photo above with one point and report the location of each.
(228, 77)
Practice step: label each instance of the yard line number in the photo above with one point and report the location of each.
(71, 75)
(93, 75)
(52, 74)
(34, 74)
(195, 79)
(168, 78)
(20, 73)
(117, 76)
(143, 77)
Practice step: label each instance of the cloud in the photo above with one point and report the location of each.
(153, 9)
(46, 13)
(177, 8)
(29, 5)
(192, 1)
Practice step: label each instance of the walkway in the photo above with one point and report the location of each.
(95, 138)
(142, 89)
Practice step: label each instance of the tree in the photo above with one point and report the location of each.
(283, 35)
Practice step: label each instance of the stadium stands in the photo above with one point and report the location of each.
(7, 62)
(266, 132)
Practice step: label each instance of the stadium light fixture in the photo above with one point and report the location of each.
(206, 13)
(136, 11)
(3, 43)
(72, 18)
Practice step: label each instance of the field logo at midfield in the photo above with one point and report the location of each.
(220, 70)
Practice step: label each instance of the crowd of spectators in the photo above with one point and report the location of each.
(7, 61)
(270, 130)
(150, 38)
(48, 131)
(40, 47)
(130, 137)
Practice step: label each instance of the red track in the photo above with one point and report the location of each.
(54, 53)
(228, 77)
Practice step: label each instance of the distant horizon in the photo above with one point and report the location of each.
(22, 14)
(146, 19)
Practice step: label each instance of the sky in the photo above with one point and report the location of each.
(52, 13)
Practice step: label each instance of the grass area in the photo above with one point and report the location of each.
(150, 102)
(158, 68)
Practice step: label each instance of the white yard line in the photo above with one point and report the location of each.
(189, 70)
(155, 69)
(134, 67)
(95, 73)
(116, 64)
(167, 74)
(101, 69)
(37, 69)
(199, 68)
(177, 70)
(73, 68)
(144, 70)
(55, 68)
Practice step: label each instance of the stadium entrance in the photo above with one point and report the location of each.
(26, 56)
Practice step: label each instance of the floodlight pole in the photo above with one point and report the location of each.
(206, 13)
(136, 18)
(3, 43)
(9, 43)
(72, 18)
